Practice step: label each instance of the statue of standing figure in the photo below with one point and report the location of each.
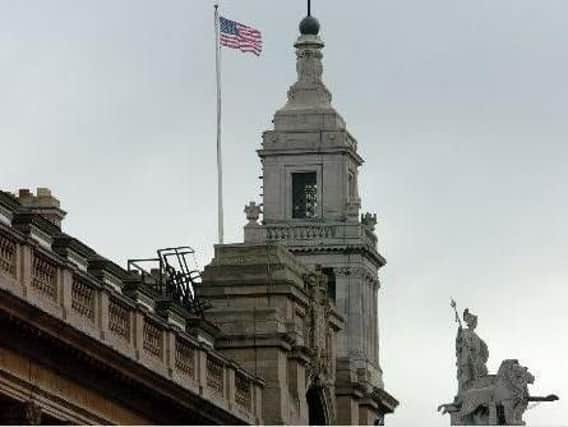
(471, 353)
(484, 399)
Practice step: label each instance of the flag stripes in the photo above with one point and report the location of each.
(238, 36)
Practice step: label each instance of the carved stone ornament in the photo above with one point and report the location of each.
(343, 271)
(253, 211)
(308, 65)
(317, 320)
(309, 90)
(369, 220)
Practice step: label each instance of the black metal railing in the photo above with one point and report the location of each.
(173, 276)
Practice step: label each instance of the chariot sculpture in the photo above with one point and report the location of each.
(485, 399)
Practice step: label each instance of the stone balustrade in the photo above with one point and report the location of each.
(334, 233)
(119, 320)
(44, 275)
(83, 299)
(301, 232)
(56, 285)
(7, 256)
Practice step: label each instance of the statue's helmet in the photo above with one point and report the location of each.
(469, 318)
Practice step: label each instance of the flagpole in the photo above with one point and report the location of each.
(219, 157)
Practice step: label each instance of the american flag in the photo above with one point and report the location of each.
(239, 36)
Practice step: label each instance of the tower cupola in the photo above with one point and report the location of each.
(311, 206)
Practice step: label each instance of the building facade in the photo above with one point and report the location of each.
(85, 341)
(279, 329)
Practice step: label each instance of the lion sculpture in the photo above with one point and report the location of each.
(506, 396)
(495, 399)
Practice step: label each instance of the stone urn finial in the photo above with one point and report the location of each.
(253, 211)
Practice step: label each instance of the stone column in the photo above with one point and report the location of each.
(257, 404)
(297, 383)
(356, 313)
(66, 292)
(138, 330)
(367, 412)
(230, 386)
(26, 271)
(342, 301)
(103, 313)
(202, 371)
(170, 351)
(347, 409)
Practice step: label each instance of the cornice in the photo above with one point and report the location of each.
(378, 259)
(9, 201)
(267, 152)
(24, 219)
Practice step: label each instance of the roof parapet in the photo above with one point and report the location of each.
(42, 203)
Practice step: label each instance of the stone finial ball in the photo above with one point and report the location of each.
(309, 25)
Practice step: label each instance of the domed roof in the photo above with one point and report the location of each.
(309, 25)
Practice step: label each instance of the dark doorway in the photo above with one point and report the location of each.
(316, 407)
(501, 421)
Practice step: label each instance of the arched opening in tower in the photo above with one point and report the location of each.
(330, 282)
(316, 411)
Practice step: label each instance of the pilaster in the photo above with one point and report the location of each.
(66, 291)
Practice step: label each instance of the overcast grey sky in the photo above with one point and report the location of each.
(460, 111)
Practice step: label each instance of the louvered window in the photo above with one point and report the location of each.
(304, 195)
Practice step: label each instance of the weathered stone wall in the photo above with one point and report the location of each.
(277, 322)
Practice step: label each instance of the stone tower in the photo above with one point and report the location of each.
(312, 206)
